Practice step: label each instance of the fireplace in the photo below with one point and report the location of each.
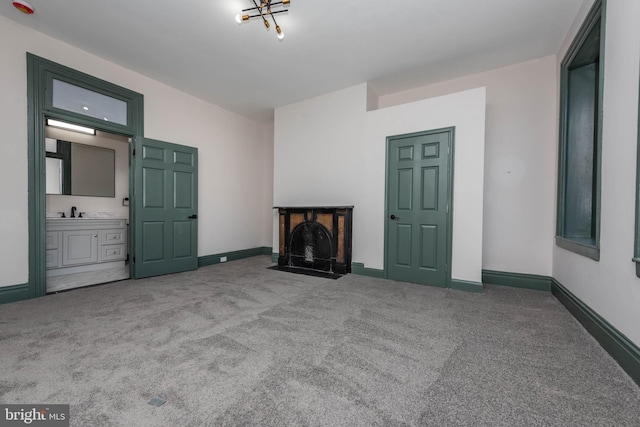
(315, 239)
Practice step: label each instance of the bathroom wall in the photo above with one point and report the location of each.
(60, 203)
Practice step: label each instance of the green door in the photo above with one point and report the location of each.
(418, 206)
(166, 208)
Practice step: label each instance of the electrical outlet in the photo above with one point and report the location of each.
(223, 259)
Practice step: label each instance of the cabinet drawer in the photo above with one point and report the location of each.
(52, 239)
(112, 237)
(52, 258)
(112, 253)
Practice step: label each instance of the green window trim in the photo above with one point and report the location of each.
(583, 249)
(588, 247)
(93, 84)
(636, 249)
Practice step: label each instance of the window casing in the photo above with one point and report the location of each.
(578, 219)
(636, 249)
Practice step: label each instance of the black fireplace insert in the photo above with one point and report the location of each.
(315, 239)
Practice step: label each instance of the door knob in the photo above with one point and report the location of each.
(394, 217)
(194, 216)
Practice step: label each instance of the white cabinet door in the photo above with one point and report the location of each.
(79, 247)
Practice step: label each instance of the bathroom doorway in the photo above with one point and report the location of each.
(56, 92)
(86, 206)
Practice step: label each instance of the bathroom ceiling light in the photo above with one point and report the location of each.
(263, 11)
(23, 7)
(69, 126)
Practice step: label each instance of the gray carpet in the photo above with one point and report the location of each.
(237, 344)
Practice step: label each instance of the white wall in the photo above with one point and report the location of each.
(520, 161)
(118, 143)
(231, 148)
(610, 286)
(318, 154)
(330, 151)
(267, 225)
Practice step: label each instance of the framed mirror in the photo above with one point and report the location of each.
(80, 170)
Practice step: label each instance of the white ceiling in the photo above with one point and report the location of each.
(395, 45)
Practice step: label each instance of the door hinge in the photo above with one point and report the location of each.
(448, 148)
(446, 209)
(134, 152)
(134, 260)
(446, 268)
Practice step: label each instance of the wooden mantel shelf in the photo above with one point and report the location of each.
(313, 207)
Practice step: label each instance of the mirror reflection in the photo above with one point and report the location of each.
(80, 170)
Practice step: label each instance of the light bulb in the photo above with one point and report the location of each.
(239, 19)
(280, 33)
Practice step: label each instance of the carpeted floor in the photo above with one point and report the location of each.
(238, 344)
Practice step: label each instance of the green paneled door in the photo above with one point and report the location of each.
(166, 208)
(418, 206)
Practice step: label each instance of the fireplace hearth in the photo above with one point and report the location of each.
(315, 240)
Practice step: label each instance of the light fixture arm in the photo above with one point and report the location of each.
(283, 3)
(272, 13)
(264, 10)
(266, 23)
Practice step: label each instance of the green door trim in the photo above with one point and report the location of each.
(449, 215)
(40, 73)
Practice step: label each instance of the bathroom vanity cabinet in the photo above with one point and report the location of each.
(90, 249)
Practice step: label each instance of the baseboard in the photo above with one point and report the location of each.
(233, 255)
(359, 269)
(517, 280)
(14, 293)
(463, 285)
(623, 350)
(266, 250)
(274, 257)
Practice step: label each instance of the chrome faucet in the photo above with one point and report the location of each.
(73, 212)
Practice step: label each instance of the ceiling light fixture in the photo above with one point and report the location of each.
(23, 7)
(263, 11)
(69, 126)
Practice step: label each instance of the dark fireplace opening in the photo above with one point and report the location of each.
(311, 247)
(315, 239)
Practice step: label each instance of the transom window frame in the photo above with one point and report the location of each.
(96, 85)
(597, 13)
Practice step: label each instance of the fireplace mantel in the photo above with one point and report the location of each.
(314, 207)
(315, 238)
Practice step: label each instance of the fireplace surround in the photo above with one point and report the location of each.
(315, 239)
